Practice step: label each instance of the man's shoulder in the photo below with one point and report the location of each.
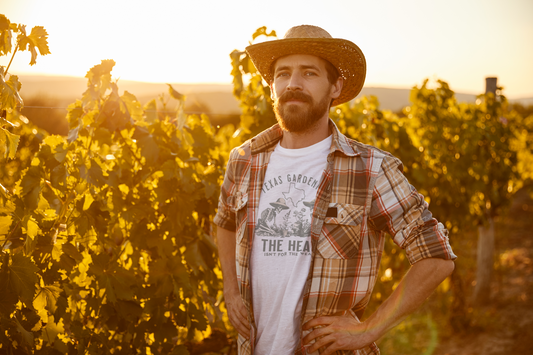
(367, 150)
(373, 155)
(239, 158)
(262, 141)
(242, 150)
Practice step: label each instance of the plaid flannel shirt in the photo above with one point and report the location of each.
(366, 190)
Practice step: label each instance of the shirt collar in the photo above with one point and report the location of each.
(271, 136)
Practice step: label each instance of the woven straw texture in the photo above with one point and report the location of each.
(343, 54)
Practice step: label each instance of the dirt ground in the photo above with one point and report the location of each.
(506, 325)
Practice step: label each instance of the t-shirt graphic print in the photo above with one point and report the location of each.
(292, 207)
(281, 251)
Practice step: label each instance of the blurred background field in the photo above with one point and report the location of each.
(47, 97)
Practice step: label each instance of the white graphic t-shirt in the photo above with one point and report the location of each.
(281, 251)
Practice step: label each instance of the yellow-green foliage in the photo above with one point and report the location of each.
(107, 235)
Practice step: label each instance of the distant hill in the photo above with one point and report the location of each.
(396, 99)
(213, 98)
(526, 101)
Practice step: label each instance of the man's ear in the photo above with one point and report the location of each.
(336, 88)
(272, 90)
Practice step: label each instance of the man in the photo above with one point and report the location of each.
(293, 295)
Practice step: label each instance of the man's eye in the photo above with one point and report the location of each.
(310, 73)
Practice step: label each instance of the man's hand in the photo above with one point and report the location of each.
(337, 333)
(237, 313)
(347, 333)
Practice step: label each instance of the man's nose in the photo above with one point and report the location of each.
(295, 82)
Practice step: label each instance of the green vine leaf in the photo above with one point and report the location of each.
(8, 297)
(5, 224)
(38, 39)
(26, 336)
(5, 35)
(23, 277)
(262, 31)
(9, 92)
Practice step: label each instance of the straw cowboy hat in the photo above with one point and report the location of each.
(280, 203)
(306, 39)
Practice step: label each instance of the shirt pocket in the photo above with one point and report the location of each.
(240, 208)
(341, 233)
(241, 217)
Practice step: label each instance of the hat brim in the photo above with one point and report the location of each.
(346, 56)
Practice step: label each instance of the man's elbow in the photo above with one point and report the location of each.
(445, 267)
(438, 268)
(451, 266)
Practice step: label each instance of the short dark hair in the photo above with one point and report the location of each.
(332, 72)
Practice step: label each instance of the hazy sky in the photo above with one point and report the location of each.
(459, 41)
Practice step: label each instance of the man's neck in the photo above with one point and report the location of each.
(313, 135)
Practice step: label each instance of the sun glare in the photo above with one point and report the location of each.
(178, 41)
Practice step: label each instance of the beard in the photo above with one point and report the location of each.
(300, 118)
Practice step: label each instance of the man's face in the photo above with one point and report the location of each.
(301, 91)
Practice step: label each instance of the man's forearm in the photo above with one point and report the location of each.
(237, 312)
(347, 333)
(226, 253)
(415, 287)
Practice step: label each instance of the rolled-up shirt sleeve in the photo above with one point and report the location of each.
(398, 209)
(225, 217)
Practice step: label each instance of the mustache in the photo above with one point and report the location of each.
(292, 95)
